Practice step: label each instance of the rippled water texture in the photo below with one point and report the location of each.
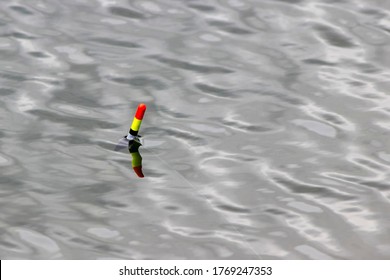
(266, 134)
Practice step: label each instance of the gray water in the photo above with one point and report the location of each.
(266, 133)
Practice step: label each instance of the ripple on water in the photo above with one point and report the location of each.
(141, 81)
(333, 37)
(44, 245)
(312, 253)
(22, 10)
(4, 160)
(229, 27)
(214, 91)
(317, 127)
(6, 91)
(125, 12)
(81, 123)
(233, 209)
(116, 43)
(181, 64)
(297, 187)
(103, 232)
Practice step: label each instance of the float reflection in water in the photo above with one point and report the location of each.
(136, 161)
(132, 141)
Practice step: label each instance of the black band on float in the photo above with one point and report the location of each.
(133, 132)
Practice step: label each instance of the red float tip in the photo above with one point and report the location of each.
(139, 114)
(138, 171)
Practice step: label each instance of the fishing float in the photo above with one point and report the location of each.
(136, 124)
(136, 162)
(134, 128)
(131, 140)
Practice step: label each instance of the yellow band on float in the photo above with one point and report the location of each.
(136, 124)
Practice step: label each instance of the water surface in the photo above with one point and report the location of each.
(266, 134)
